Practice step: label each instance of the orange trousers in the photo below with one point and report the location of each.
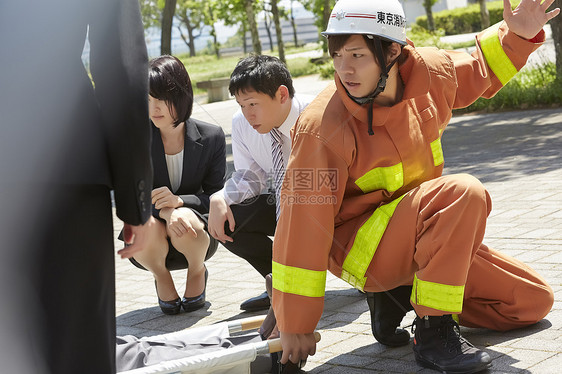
(436, 233)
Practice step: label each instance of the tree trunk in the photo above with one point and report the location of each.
(294, 26)
(484, 14)
(556, 26)
(326, 11)
(278, 31)
(188, 40)
(216, 46)
(253, 26)
(427, 4)
(213, 32)
(244, 42)
(167, 20)
(267, 29)
(192, 51)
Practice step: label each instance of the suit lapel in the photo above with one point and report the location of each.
(191, 152)
(161, 177)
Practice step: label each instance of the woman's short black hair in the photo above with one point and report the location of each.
(170, 82)
(263, 74)
(336, 42)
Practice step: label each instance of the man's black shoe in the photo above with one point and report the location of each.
(260, 302)
(439, 345)
(387, 310)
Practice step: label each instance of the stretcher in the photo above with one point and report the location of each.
(234, 360)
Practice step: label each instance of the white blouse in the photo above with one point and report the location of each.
(175, 166)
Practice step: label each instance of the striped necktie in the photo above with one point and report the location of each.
(278, 165)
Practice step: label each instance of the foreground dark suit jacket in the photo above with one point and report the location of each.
(64, 145)
(204, 164)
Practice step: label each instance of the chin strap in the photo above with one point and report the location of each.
(380, 85)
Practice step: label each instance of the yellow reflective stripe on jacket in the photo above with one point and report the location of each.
(365, 244)
(437, 151)
(437, 296)
(298, 281)
(495, 55)
(389, 178)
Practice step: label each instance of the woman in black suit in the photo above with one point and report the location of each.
(189, 163)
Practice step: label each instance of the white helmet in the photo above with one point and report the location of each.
(382, 18)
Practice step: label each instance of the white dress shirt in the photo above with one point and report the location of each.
(175, 167)
(251, 150)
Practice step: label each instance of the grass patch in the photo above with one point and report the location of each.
(531, 88)
(205, 67)
(424, 38)
(301, 66)
(462, 45)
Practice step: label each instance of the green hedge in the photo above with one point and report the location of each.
(530, 88)
(463, 20)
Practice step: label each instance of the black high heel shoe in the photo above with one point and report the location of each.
(168, 307)
(189, 304)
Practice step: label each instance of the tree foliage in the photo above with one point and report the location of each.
(151, 13)
(242, 12)
(232, 12)
(191, 16)
(321, 10)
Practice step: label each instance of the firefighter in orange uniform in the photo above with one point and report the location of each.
(364, 195)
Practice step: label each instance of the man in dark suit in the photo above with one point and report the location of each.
(64, 146)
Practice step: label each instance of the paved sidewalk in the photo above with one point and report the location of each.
(517, 155)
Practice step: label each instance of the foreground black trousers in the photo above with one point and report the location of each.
(76, 282)
(255, 223)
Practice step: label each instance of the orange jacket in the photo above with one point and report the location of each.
(328, 189)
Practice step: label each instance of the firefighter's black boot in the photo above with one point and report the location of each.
(387, 310)
(439, 345)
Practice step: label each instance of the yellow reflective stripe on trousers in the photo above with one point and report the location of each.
(437, 296)
(365, 244)
(389, 178)
(437, 151)
(495, 55)
(298, 281)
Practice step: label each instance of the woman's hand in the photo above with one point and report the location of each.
(162, 197)
(177, 221)
(297, 347)
(529, 17)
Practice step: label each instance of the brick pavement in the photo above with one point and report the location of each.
(517, 155)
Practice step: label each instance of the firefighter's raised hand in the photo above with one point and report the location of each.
(529, 17)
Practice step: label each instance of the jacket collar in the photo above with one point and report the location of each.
(414, 72)
(191, 131)
(191, 154)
